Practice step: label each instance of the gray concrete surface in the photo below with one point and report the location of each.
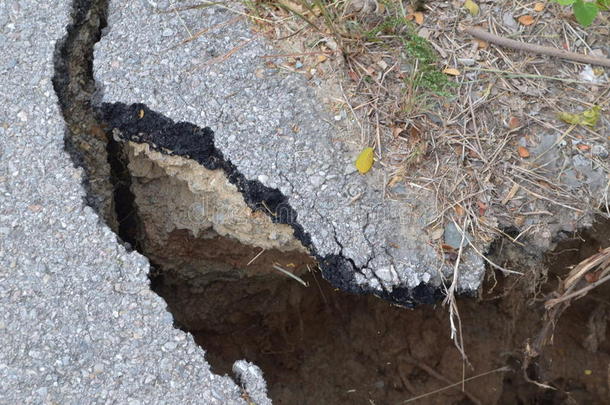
(79, 323)
(219, 80)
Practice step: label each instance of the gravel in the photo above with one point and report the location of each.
(79, 323)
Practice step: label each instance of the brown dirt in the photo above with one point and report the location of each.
(319, 346)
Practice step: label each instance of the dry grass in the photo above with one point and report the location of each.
(473, 138)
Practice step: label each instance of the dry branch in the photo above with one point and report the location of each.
(538, 49)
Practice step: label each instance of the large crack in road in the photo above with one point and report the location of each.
(226, 292)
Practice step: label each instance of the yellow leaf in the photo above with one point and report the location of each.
(591, 116)
(588, 118)
(451, 71)
(538, 7)
(570, 118)
(472, 7)
(526, 20)
(364, 162)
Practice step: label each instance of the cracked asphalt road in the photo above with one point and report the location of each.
(79, 323)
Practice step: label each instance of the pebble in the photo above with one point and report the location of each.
(600, 151)
(168, 32)
(509, 21)
(170, 345)
(466, 61)
(349, 168)
(263, 178)
(453, 237)
(316, 180)
(386, 274)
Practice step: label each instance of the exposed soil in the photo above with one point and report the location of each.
(317, 345)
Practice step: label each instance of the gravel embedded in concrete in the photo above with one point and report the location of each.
(79, 323)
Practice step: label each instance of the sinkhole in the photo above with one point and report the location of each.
(235, 270)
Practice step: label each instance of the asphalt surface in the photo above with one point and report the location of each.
(78, 321)
(271, 126)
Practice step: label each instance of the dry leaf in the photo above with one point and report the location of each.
(447, 248)
(481, 44)
(482, 207)
(322, 58)
(538, 7)
(364, 162)
(451, 71)
(396, 131)
(393, 181)
(292, 6)
(526, 20)
(519, 220)
(523, 152)
(472, 7)
(514, 122)
(419, 17)
(415, 133)
(583, 147)
(353, 75)
(459, 210)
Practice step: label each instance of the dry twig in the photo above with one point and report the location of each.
(537, 49)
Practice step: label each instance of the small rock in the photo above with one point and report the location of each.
(509, 21)
(386, 274)
(349, 168)
(316, 180)
(170, 345)
(399, 189)
(453, 237)
(466, 61)
(263, 178)
(168, 32)
(588, 75)
(424, 33)
(599, 151)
